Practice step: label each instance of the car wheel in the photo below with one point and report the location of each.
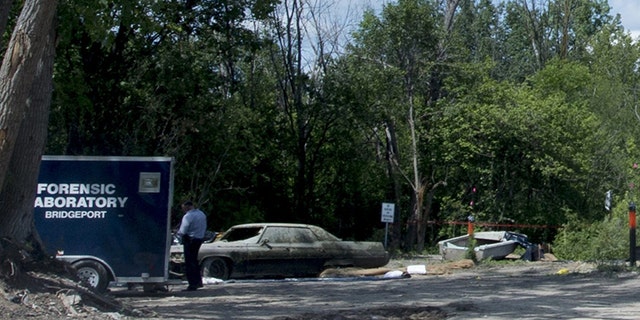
(92, 273)
(216, 268)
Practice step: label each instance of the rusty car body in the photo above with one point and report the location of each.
(280, 250)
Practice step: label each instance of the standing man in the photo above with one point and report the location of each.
(192, 229)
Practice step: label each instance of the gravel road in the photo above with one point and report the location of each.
(522, 290)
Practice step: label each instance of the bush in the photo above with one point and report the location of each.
(604, 240)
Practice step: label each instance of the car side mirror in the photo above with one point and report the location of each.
(265, 242)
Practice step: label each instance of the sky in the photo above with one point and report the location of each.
(629, 11)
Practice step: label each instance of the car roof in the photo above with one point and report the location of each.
(318, 230)
(273, 224)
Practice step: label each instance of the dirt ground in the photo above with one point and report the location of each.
(448, 290)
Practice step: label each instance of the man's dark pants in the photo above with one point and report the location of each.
(191, 246)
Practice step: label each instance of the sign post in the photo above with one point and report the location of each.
(632, 234)
(387, 217)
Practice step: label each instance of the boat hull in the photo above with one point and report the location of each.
(488, 245)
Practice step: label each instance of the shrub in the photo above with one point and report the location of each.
(604, 240)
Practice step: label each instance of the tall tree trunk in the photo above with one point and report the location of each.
(25, 96)
(302, 190)
(420, 215)
(392, 151)
(291, 85)
(426, 213)
(417, 184)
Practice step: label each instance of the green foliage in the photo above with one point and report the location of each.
(603, 240)
(538, 116)
(525, 149)
(470, 253)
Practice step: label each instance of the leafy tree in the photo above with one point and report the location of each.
(527, 151)
(268, 120)
(411, 46)
(161, 78)
(311, 121)
(475, 36)
(534, 32)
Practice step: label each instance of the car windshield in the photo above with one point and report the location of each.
(242, 234)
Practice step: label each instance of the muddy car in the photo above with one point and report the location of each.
(280, 250)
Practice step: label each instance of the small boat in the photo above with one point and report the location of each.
(488, 245)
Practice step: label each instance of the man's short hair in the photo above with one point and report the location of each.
(188, 204)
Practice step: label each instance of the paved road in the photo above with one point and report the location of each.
(532, 291)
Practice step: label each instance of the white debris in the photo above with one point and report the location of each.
(417, 269)
(211, 280)
(393, 274)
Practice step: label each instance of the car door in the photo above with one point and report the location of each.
(307, 253)
(271, 255)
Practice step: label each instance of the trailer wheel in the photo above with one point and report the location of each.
(216, 268)
(93, 273)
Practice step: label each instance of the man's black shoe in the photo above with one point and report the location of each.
(190, 289)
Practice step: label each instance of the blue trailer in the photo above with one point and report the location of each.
(107, 216)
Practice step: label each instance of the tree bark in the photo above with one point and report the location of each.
(25, 96)
(391, 157)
